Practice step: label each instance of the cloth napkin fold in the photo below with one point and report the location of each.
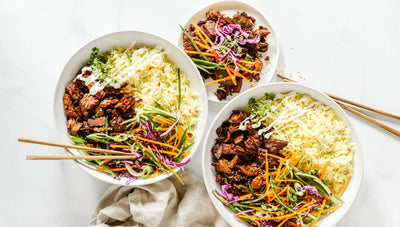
(165, 203)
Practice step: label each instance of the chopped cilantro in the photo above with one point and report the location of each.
(248, 57)
(270, 96)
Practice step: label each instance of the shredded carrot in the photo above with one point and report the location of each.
(156, 142)
(104, 161)
(283, 222)
(324, 169)
(344, 188)
(237, 186)
(171, 138)
(170, 169)
(269, 218)
(230, 74)
(292, 224)
(163, 119)
(120, 146)
(114, 133)
(133, 125)
(113, 169)
(202, 45)
(275, 156)
(204, 34)
(186, 153)
(168, 152)
(291, 181)
(266, 170)
(240, 75)
(319, 213)
(244, 68)
(280, 165)
(219, 80)
(200, 35)
(247, 62)
(245, 196)
(283, 190)
(196, 52)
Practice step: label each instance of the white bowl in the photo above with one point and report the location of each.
(125, 39)
(229, 8)
(239, 103)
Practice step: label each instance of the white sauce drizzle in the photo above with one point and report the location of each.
(121, 71)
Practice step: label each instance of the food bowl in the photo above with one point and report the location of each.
(125, 39)
(230, 8)
(239, 102)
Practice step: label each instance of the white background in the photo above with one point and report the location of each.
(348, 48)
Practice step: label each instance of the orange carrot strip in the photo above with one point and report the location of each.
(324, 169)
(171, 138)
(244, 68)
(319, 213)
(200, 35)
(292, 224)
(344, 188)
(120, 146)
(170, 169)
(186, 153)
(275, 156)
(104, 161)
(219, 80)
(247, 62)
(245, 196)
(114, 169)
(133, 125)
(196, 52)
(156, 142)
(230, 75)
(114, 133)
(240, 75)
(168, 152)
(204, 34)
(266, 171)
(202, 45)
(283, 222)
(283, 190)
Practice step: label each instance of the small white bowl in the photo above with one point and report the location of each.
(125, 39)
(230, 8)
(240, 102)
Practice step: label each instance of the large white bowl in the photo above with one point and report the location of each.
(239, 103)
(230, 8)
(125, 39)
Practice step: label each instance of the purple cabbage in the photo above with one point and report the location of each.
(225, 194)
(231, 32)
(312, 190)
(170, 128)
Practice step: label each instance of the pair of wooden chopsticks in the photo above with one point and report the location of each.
(115, 154)
(338, 100)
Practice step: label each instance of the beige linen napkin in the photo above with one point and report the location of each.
(165, 203)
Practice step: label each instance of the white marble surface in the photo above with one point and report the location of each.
(348, 48)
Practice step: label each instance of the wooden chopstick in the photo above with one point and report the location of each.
(364, 116)
(370, 119)
(351, 102)
(53, 157)
(104, 151)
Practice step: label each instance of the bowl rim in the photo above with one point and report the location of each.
(165, 44)
(271, 28)
(357, 161)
